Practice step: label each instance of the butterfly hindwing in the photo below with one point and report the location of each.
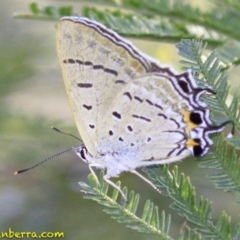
(140, 120)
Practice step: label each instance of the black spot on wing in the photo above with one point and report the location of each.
(84, 85)
(88, 63)
(145, 119)
(149, 102)
(135, 116)
(71, 61)
(117, 115)
(79, 62)
(98, 67)
(129, 128)
(141, 117)
(91, 126)
(119, 82)
(197, 151)
(195, 118)
(158, 106)
(138, 99)
(128, 95)
(184, 86)
(111, 71)
(197, 140)
(162, 115)
(88, 107)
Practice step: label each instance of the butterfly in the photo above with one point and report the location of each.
(130, 110)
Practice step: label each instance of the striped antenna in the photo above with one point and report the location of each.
(49, 158)
(45, 160)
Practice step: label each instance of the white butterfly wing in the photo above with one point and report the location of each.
(96, 64)
(145, 121)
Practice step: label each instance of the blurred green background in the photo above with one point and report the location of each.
(33, 99)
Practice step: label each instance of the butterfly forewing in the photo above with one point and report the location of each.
(95, 67)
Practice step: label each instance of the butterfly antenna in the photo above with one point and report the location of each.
(68, 134)
(45, 160)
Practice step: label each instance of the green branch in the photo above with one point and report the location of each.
(181, 191)
(125, 212)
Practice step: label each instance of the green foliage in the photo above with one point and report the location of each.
(227, 176)
(177, 21)
(180, 190)
(125, 211)
(46, 13)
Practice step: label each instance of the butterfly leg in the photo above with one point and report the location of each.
(106, 178)
(146, 180)
(92, 171)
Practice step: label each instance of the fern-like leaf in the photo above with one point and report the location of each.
(181, 191)
(229, 55)
(228, 164)
(125, 212)
(49, 13)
